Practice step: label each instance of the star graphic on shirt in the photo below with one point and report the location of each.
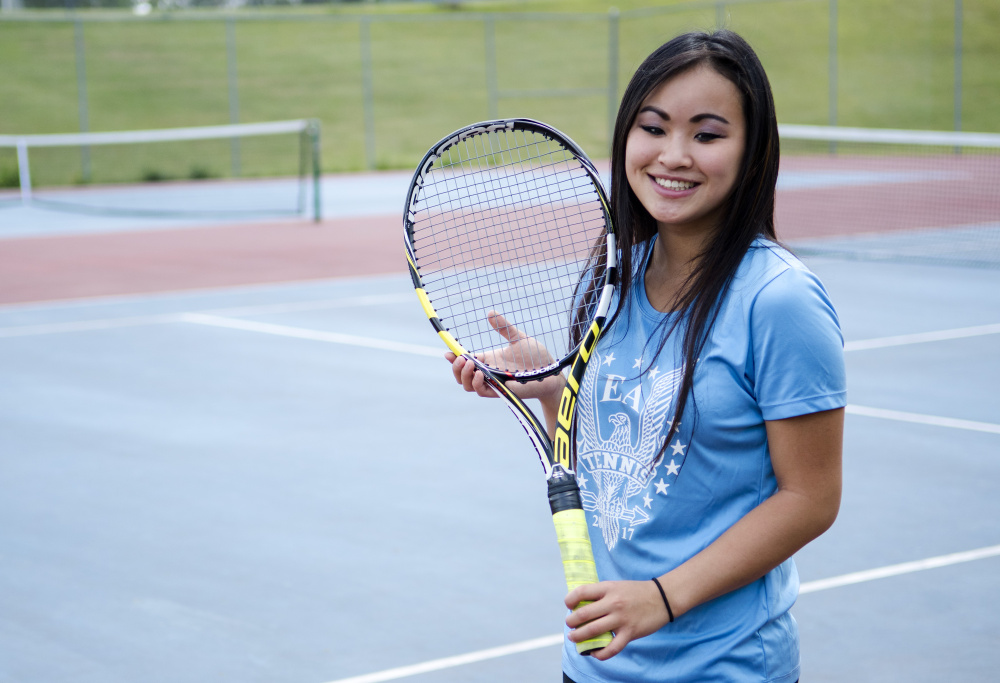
(611, 357)
(678, 447)
(673, 467)
(653, 373)
(661, 487)
(581, 481)
(638, 363)
(647, 501)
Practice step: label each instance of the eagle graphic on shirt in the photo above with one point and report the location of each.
(621, 466)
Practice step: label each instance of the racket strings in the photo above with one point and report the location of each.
(474, 176)
(460, 228)
(507, 222)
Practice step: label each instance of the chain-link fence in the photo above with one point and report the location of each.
(385, 84)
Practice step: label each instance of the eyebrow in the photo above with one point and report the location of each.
(697, 118)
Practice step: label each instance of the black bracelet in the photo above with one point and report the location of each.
(670, 612)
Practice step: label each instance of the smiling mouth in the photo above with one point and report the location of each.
(674, 184)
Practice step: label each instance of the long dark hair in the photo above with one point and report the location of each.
(749, 210)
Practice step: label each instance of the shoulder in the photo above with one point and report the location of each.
(796, 345)
(766, 260)
(771, 280)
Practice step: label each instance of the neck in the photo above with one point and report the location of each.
(674, 258)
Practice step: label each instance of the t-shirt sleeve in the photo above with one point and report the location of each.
(798, 348)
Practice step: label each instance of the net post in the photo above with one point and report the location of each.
(313, 131)
(24, 171)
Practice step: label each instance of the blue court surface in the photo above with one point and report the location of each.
(282, 484)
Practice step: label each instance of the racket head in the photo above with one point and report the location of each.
(509, 217)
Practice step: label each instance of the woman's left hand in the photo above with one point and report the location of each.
(628, 609)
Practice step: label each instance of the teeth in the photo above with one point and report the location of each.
(674, 184)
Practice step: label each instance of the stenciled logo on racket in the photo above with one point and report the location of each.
(564, 421)
(621, 465)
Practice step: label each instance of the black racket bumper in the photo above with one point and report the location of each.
(564, 494)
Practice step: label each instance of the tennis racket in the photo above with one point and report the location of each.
(507, 228)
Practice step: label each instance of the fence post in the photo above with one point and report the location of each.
(613, 28)
(368, 94)
(234, 93)
(832, 71)
(492, 94)
(81, 96)
(959, 14)
(720, 15)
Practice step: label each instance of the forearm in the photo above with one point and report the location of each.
(806, 454)
(760, 541)
(549, 394)
(550, 413)
(763, 539)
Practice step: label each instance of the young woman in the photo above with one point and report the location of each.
(710, 421)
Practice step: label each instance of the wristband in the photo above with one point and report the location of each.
(670, 612)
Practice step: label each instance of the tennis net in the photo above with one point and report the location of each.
(187, 172)
(894, 195)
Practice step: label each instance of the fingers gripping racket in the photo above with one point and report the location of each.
(512, 255)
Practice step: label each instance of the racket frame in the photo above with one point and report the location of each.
(556, 455)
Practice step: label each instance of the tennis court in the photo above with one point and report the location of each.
(233, 452)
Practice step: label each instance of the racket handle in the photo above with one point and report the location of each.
(574, 546)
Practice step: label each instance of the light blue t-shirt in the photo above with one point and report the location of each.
(775, 351)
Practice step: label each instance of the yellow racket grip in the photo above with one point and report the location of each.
(578, 563)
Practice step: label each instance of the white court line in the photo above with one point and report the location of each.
(262, 309)
(369, 342)
(458, 660)
(918, 418)
(86, 325)
(320, 304)
(315, 335)
(921, 337)
(214, 319)
(378, 299)
(899, 569)
(557, 639)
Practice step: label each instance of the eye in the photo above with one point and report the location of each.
(707, 137)
(652, 130)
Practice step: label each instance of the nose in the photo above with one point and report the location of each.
(675, 152)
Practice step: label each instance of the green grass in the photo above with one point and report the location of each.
(9, 177)
(895, 70)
